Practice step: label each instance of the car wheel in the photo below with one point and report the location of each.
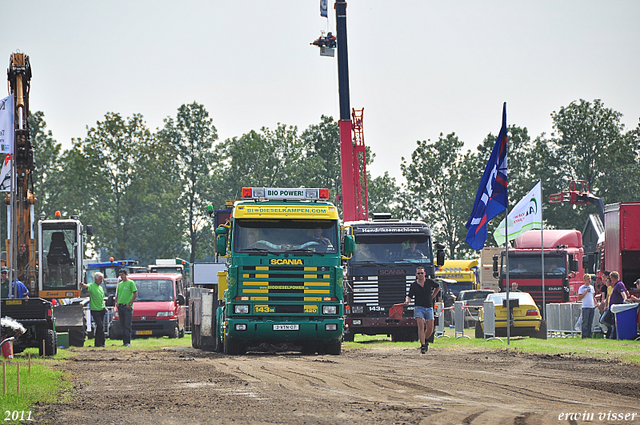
(175, 333)
(542, 332)
(479, 331)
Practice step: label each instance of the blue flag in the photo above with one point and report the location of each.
(323, 8)
(491, 198)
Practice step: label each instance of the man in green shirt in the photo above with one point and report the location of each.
(96, 305)
(126, 295)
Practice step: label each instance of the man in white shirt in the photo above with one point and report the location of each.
(586, 294)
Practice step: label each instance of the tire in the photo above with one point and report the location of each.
(195, 336)
(542, 332)
(233, 348)
(181, 333)
(175, 333)
(77, 337)
(348, 337)
(333, 348)
(479, 331)
(50, 343)
(308, 349)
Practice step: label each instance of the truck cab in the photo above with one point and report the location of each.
(563, 268)
(380, 273)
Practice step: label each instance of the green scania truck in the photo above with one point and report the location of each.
(283, 282)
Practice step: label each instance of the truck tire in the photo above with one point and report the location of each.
(50, 343)
(195, 336)
(542, 332)
(479, 331)
(333, 348)
(77, 337)
(233, 347)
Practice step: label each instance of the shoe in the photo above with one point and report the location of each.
(127, 345)
(424, 349)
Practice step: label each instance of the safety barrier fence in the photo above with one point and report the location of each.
(460, 313)
(562, 318)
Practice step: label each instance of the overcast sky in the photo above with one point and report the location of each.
(418, 67)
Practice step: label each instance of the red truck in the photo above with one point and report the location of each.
(563, 265)
(621, 248)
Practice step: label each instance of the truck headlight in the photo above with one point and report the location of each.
(357, 309)
(329, 309)
(356, 322)
(330, 327)
(164, 314)
(241, 309)
(241, 326)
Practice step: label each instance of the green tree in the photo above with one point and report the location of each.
(269, 158)
(322, 165)
(115, 177)
(433, 183)
(191, 137)
(47, 170)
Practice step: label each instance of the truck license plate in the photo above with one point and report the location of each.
(144, 332)
(286, 327)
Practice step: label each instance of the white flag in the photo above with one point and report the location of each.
(526, 215)
(5, 174)
(6, 125)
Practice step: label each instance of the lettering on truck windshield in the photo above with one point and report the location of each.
(393, 248)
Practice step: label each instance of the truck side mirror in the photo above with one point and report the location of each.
(440, 254)
(575, 266)
(221, 245)
(89, 230)
(495, 267)
(349, 245)
(585, 262)
(181, 300)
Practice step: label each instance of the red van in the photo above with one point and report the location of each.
(160, 308)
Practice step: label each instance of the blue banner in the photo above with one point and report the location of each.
(323, 8)
(491, 198)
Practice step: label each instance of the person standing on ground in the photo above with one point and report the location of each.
(423, 291)
(126, 295)
(96, 305)
(618, 296)
(586, 294)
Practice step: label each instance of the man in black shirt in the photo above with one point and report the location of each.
(423, 291)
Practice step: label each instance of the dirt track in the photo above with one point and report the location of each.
(362, 386)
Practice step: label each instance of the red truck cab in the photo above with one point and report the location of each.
(160, 308)
(563, 265)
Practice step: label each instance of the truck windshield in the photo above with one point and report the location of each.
(279, 236)
(154, 289)
(59, 261)
(532, 265)
(392, 248)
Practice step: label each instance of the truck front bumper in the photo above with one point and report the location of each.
(276, 331)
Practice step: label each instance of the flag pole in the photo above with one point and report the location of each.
(544, 288)
(506, 248)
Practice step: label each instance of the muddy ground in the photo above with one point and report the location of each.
(368, 385)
